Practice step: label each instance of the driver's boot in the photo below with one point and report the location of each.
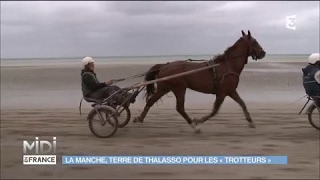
(134, 96)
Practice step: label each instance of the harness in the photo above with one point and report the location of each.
(228, 69)
(214, 74)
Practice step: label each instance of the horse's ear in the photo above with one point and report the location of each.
(243, 34)
(249, 34)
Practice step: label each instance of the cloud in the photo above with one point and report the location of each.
(236, 5)
(44, 29)
(158, 7)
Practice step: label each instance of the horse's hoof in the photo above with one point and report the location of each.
(251, 125)
(197, 131)
(197, 121)
(136, 119)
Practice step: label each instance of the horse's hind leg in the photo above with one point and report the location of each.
(235, 96)
(217, 104)
(150, 102)
(180, 97)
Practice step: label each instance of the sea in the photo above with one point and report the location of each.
(23, 90)
(70, 61)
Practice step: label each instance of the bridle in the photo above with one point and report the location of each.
(251, 50)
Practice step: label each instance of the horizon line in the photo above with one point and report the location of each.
(127, 56)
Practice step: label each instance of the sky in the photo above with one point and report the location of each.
(89, 28)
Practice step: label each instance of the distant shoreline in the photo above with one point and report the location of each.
(134, 56)
(135, 60)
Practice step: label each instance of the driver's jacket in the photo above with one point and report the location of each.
(89, 82)
(311, 86)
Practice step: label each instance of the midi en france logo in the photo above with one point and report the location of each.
(39, 152)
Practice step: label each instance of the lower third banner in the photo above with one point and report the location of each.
(173, 160)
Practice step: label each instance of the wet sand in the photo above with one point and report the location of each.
(280, 130)
(164, 132)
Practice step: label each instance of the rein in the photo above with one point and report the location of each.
(227, 64)
(297, 100)
(196, 60)
(143, 74)
(130, 77)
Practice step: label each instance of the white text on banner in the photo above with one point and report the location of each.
(173, 160)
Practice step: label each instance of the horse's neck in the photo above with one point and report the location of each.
(239, 66)
(237, 60)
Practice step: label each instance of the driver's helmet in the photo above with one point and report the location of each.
(313, 58)
(86, 61)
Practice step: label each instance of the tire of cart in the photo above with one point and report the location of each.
(105, 117)
(314, 116)
(124, 116)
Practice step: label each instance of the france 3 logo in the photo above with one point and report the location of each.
(291, 22)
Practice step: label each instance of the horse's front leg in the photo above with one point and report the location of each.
(217, 104)
(235, 96)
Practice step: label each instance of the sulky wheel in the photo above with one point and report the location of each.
(124, 115)
(104, 124)
(314, 116)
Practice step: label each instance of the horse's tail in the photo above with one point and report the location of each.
(152, 75)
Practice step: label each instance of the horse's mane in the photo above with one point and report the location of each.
(221, 57)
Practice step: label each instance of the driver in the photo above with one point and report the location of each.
(311, 77)
(92, 88)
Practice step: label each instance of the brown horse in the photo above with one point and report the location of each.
(221, 80)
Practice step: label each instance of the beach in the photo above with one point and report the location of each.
(43, 101)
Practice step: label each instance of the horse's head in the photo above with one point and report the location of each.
(255, 49)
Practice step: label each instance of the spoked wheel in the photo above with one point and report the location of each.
(124, 115)
(314, 116)
(104, 124)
